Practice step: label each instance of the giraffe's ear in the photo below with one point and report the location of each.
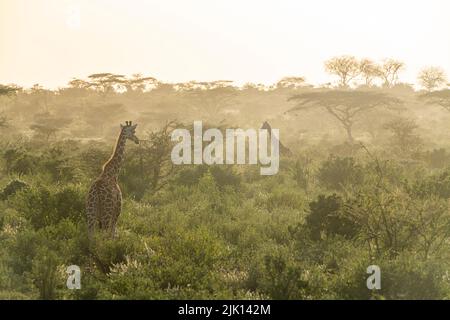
(134, 126)
(121, 126)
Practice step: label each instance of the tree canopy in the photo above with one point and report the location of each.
(344, 105)
(7, 90)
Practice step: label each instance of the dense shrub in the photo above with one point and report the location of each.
(327, 218)
(438, 184)
(12, 188)
(227, 232)
(336, 173)
(19, 161)
(437, 158)
(44, 206)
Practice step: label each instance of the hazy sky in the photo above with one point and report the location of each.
(51, 41)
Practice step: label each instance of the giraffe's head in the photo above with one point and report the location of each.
(129, 131)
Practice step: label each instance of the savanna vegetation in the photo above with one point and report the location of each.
(367, 182)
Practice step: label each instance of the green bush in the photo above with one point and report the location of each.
(19, 161)
(12, 188)
(44, 206)
(336, 173)
(327, 218)
(223, 232)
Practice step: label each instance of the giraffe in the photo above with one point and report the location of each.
(104, 200)
(283, 149)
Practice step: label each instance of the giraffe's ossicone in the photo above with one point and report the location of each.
(104, 200)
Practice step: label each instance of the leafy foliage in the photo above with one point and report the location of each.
(225, 231)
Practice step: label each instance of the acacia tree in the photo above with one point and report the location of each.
(8, 90)
(344, 105)
(46, 125)
(432, 78)
(78, 84)
(290, 83)
(150, 167)
(138, 83)
(369, 70)
(404, 137)
(345, 67)
(255, 86)
(105, 83)
(389, 71)
(391, 220)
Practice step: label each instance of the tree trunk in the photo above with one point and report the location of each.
(348, 129)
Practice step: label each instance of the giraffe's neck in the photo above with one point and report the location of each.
(112, 166)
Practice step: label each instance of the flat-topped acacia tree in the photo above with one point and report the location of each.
(105, 83)
(344, 105)
(7, 90)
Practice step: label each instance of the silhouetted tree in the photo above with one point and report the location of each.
(432, 78)
(254, 87)
(150, 167)
(78, 84)
(8, 90)
(47, 125)
(345, 67)
(290, 82)
(344, 105)
(369, 70)
(138, 83)
(404, 136)
(105, 83)
(389, 71)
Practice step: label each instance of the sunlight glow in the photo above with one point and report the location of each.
(51, 41)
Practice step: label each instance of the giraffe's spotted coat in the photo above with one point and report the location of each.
(104, 200)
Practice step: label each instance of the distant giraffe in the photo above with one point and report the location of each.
(283, 149)
(104, 200)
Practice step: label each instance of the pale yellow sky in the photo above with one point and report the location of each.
(51, 41)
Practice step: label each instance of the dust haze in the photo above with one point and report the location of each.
(362, 104)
